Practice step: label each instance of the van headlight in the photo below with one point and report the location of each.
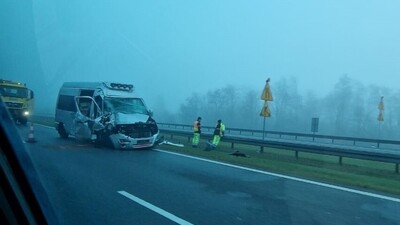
(26, 113)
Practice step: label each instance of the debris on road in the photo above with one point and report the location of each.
(170, 143)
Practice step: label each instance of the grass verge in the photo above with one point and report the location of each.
(364, 175)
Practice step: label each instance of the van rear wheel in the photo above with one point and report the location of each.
(61, 131)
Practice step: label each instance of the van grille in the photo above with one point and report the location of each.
(138, 130)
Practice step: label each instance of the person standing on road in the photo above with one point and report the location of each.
(196, 132)
(219, 132)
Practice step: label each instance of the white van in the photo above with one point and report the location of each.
(105, 113)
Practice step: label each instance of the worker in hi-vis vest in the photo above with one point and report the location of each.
(218, 133)
(197, 132)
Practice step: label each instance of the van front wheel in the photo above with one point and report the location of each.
(61, 131)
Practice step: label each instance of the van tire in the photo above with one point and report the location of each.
(61, 131)
(103, 140)
(111, 144)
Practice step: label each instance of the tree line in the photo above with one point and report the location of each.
(349, 109)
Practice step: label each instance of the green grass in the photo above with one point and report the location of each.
(365, 175)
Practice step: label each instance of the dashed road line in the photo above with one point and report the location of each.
(155, 208)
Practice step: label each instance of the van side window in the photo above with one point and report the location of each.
(84, 106)
(87, 93)
(67, 103)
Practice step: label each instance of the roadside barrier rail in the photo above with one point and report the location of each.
(333, 150)
(354, 141)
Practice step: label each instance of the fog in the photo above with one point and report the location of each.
(177, 51)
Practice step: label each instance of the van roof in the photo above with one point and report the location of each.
(90, 85)
(109, 88)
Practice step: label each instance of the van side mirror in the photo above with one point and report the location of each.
(150, 112)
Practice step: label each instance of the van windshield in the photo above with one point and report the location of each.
(125, 105)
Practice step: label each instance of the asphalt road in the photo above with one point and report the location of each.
(88, 185)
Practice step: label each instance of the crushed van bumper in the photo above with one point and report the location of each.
(122, 141)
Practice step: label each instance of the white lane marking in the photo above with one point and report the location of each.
(154, 208)
(38, 124)
(289, 177)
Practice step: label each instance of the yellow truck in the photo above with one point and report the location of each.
(18, 98)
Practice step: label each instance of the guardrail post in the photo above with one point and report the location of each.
(232, 145)
(296, 154)
(377, 144)
(188, 139)
(397, 168)
(354, 142)
(172, 136)
(340, 160)
(261, 149)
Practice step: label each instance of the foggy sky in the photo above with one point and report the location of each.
(170, 49)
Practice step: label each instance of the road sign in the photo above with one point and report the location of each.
(314, 125)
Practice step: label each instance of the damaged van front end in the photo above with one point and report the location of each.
(124, 131)
(108, 114)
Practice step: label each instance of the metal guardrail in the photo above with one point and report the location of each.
(339, 151)
(296, 136)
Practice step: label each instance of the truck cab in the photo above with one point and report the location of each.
(105, 113)
(18, 99)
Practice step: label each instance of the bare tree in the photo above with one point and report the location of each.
(248, 110)
(191, 109)
(358, 111)
(288, 105)
(337, 105)
(393, 110)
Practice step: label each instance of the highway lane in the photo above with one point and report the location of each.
(85, 185)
